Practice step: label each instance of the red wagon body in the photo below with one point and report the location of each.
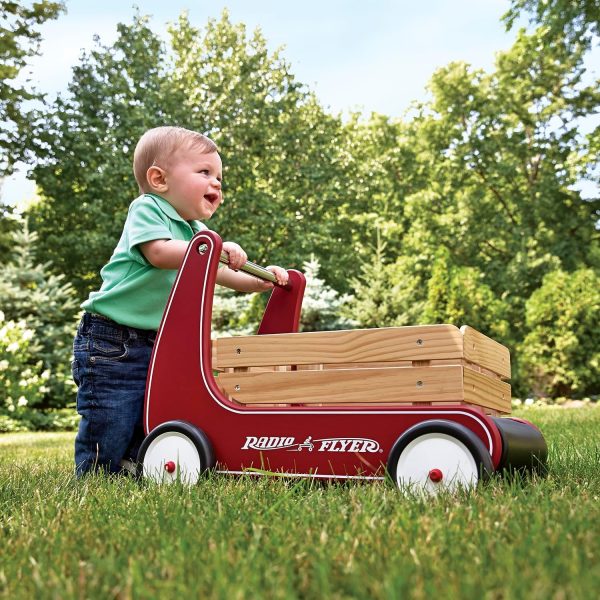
(188, 416)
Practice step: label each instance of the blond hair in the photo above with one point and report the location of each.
(158, 146)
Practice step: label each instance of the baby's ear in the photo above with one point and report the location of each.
(156, 179)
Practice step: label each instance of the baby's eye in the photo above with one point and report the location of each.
(203, 171)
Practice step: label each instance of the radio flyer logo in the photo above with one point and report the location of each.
(338, 444)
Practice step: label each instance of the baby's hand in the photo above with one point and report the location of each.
(237, 257)
(280, 274)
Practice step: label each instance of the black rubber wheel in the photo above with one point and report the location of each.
(436, 455)
(524, 448)
(175, 451)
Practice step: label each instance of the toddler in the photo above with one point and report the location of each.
(179, 174)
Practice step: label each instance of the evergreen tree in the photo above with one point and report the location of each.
(30, 293)
(322, 306)
(386, 294)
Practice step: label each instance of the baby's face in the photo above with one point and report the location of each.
(194, 184)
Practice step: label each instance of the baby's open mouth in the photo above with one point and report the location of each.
(212, 198)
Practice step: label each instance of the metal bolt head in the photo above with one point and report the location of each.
(436, 475)
(202, 248)
(237, 388)
(238, 350)
(420, 342)
(419, 383)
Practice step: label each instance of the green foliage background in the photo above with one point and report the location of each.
(465, 210)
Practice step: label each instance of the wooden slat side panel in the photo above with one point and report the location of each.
(388, 344)
(487, 392)
(375, 386)
(214, 350)
(486, 352)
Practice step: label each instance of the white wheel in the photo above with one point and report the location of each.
(175, 451)
(436, 461)
(438, 455)
(172, 456)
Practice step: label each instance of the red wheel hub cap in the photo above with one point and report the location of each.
(170, 466)
(436, 475)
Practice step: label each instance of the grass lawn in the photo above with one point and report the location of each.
(272, 538)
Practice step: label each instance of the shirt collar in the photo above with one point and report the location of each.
(170, 211)
(167, 208)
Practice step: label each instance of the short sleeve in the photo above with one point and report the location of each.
(198, 226)
(146, 222)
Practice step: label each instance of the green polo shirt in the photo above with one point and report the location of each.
(133, 292)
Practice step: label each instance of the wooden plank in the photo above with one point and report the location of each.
(487, 392)
(378, 386)
(486, 352)
(367, 365)
(214, 350)
(388, 344)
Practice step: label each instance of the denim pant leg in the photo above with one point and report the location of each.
(110, 368)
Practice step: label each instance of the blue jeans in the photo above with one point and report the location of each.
(110, 367)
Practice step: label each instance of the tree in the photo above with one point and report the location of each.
(499, 150)
(43, 304)
(86, 146)
(19, 41)
(9, 223)
(234, 313)
(379, 171)
(322, 306)
(277, 143)
(279, 147)
(490, 203)
(577, 20)
(386, 294)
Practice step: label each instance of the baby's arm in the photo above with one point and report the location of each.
(243, 282)
(169, 254)
(164, 254)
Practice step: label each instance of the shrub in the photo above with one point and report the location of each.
(233, 313)
(561, 351)
(459, 295)
(22, 381)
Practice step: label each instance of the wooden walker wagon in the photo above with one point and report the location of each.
(424, 403)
